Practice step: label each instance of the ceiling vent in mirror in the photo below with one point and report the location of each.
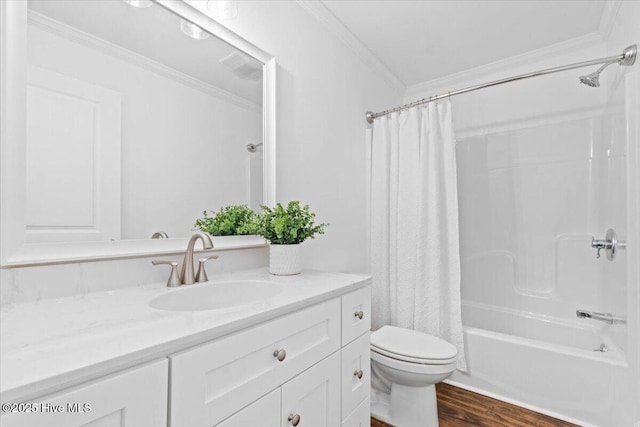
(141, 4)
(192, 30)
(242, 66)
(223, 8)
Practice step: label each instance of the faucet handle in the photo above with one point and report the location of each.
(201, 275)
(174, 277)
(610, 244)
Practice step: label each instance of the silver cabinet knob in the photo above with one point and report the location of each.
(359, 314)
(174, 277)
(358, 373)
(280, 355)
(294, 419)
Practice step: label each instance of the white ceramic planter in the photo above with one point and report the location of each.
(285, 260)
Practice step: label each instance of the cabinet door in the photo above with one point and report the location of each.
(265, 412)
(356, 374)
(314, 395)
(361, 417)
(136, 397)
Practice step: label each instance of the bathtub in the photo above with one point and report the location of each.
(545, 364)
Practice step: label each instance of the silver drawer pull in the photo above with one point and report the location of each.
(280, 355)
(295, 419)
(359, 314)
(358, 373)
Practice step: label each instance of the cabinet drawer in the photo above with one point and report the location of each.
(355, 375)
(213, 381)
(264, 413)
(136, 397)
(356, 314)
(361, 417)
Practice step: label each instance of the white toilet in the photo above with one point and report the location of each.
(405, 366)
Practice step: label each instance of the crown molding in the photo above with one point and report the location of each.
(337, 28)
(70, 33)
(479, 74)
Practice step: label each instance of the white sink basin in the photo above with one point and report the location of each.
(215, 296)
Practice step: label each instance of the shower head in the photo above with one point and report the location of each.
(628, 57)
(591, 80)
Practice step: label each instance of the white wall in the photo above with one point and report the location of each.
(323, 92)
(183, 150)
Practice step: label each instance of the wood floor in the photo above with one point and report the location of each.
(459, 408)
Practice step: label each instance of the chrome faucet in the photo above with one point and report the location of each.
(187, 275)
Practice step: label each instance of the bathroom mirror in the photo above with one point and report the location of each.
(134, 117)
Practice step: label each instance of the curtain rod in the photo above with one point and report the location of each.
(627, 57)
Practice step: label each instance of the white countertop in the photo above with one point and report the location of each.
(49, 345)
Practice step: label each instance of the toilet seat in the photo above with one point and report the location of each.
(407, 359)
(412, 346)
(414, 368)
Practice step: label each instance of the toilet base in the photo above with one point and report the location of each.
(406, 406)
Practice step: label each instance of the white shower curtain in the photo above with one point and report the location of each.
(414, 224)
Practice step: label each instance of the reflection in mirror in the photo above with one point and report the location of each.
(137, 121)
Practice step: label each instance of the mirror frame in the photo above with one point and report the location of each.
(14, 251)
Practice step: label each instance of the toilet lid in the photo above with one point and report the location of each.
(406, 344)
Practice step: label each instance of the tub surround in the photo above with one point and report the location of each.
(50, 345)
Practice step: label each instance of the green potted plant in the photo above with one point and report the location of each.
(232, 220)
(285, 229)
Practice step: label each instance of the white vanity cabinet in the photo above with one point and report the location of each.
(135, 397)
(310, 367)
(213, 381)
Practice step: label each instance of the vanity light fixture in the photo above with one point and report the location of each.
(192, 30)
(140, 4)
(223, 9)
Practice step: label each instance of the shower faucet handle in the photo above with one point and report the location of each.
(599, 245)
(610, 244)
